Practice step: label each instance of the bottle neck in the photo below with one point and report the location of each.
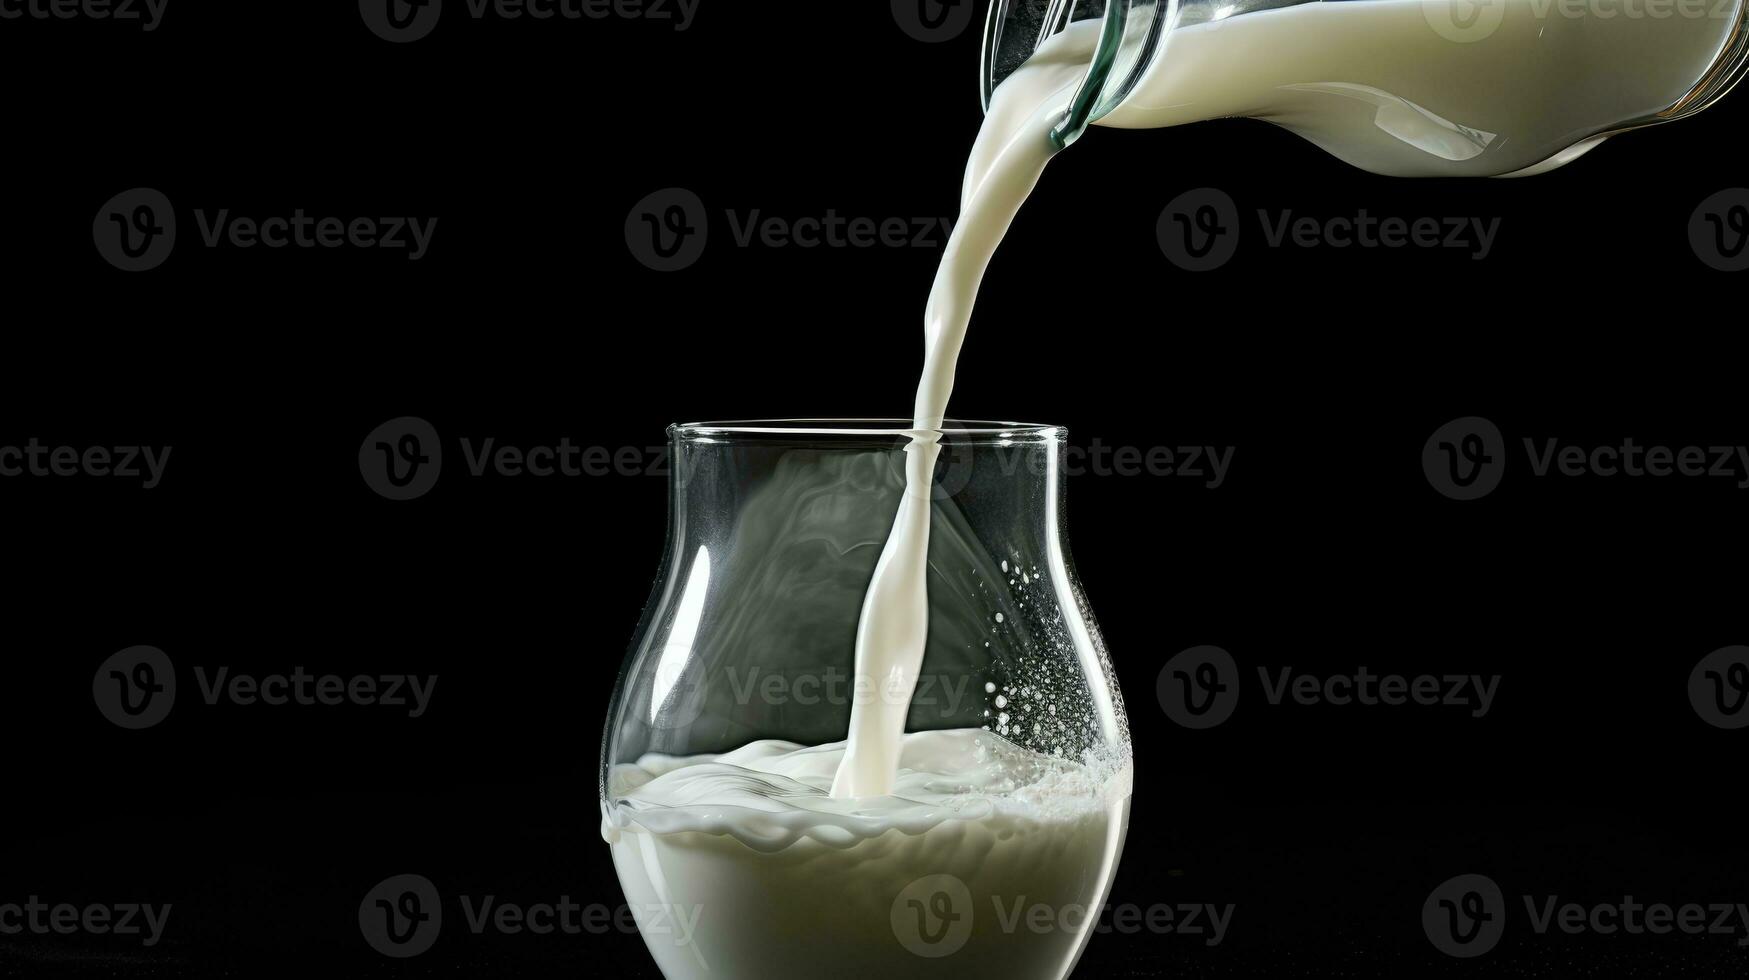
(1130, 34)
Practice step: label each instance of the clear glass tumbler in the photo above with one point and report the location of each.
(747, 647)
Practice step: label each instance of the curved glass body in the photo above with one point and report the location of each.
(1398, 87)
(739, 684)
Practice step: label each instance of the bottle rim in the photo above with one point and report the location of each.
(1131, 36)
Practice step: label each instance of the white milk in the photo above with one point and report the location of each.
(925, 854)
(744, 865)
(1386, 85)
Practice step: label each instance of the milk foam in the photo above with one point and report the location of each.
(769, 794)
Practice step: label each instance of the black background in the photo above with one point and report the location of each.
(530, 321)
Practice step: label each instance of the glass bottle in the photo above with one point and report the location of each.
(1398, 87)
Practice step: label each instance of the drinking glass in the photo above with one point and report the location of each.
(749, 634)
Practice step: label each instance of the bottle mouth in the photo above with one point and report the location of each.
(879, 431)
(1130, 33)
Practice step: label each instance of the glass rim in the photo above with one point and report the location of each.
(827, 430)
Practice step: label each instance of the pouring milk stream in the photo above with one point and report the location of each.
(819, 838)
(1010, 154)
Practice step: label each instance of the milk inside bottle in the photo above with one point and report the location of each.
(1434, 88)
